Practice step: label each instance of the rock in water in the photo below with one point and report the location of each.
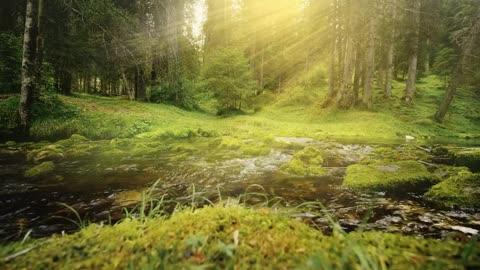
(465, 230)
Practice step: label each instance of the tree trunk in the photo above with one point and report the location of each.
(412, 69)
(333, 51)
(427, 58)
(391, 51)
(39, 48)
(369, 64)
(140, 89)
(28, 67)
(359, 72)
(346, 98)
(262, 70)
(458, 74)
(331, 79)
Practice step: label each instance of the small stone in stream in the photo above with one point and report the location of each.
(389, 168)
(425, 219)
(475, 222)
(386, 221)
(465, 230)
(409, 138)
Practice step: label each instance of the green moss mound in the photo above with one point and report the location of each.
(307, 162)
(389, 176)
(47, 153)
(232, 238)
(470, 159)
(462, 190)
(40, 170)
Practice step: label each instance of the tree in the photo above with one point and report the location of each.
(391, 49)
(370, 61)
(228, 77)
(29, 68)
(346, 97)
(414, 42)
(457, 76)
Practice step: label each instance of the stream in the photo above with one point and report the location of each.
(100, 193)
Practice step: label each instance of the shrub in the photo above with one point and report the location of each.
(228, 77)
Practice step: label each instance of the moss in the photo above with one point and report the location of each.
(233, 238)
(470, 159)
(48, 153)
(75, 138)
(230, 142)
(462, 190)
(440, 151)
(400, 153)
(445, 171)
(255, 150)
(10, 143)
(121, 143)
(40, 170)
(389, 176)
(307, 162)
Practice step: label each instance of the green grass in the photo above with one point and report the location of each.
(295, 112)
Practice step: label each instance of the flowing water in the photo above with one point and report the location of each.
(100, 193)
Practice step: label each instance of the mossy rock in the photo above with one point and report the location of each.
(233, 238)
(230, 142)
(461, 190)
(307, 162)
(40, 170)
(10, 143)
(445, 171)
(470, 159)
(48, 153)
(440, 151)
(406, 175)
(121, 143)
(74, 139)
(401, 153)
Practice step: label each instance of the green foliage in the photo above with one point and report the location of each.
(8, 113)
(228, 77)
(445, 61)
(461, 190)
(10, 62)
(402, 175)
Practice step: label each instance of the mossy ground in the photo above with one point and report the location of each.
(389, 176)
(460, 190)
(234, 238)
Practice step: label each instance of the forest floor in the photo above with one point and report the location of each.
(125, 140)
(294, 113)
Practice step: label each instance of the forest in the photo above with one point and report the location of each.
(239, 134)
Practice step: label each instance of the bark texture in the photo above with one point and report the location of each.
(28, 66)
(391, 51)
(413, 61)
